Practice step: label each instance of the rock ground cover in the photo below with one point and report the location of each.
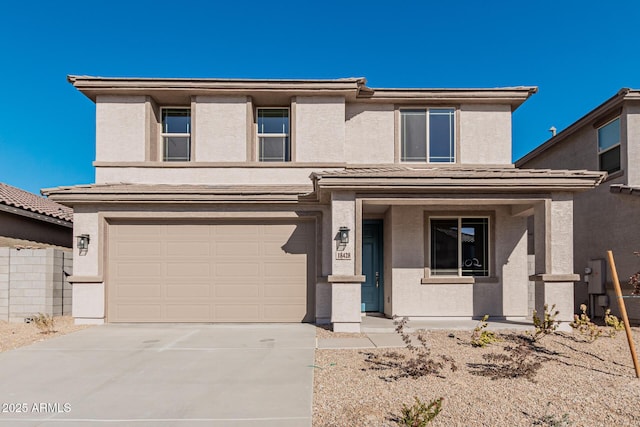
(578, 384)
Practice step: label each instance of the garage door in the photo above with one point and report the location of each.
(221, 272)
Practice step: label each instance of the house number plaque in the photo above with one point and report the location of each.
(343, 255)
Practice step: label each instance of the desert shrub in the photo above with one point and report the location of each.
(480, 336)
(420, 413)
(417, 364)
(519, 361)
(545, 326)
(44, 322)
(583, 325)
(613, 322)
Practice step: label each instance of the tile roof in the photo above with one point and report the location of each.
(459, 172)
(17, 198)
(12, 242)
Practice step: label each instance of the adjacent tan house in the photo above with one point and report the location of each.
(313, 200)
(35, 255)
(606, 218)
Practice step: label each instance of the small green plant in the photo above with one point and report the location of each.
(545, 326)
(583, 324)
(613, 322)
(420, 413)
(553, 421)
(44, 322)
(480, 336)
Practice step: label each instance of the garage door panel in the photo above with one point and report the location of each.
(234, 272)
(238, 312)
(237, 290)
(238, 269)
(140, 312)
(237, 249)
(188, 249)
(284, 291)
(188, 312)
(139, 269)
(282, 313)
(139, 290)
(178, 291)
(189, 269)
(137, 248)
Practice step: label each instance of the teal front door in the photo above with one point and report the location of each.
(372, 289)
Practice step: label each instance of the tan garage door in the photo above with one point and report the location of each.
(223, 272)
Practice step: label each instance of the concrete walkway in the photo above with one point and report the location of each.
(161, 375)
(379, 332)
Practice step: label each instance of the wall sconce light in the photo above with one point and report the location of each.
(344, 235)
(83, 242)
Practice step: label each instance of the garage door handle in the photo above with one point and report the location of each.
(377, 279)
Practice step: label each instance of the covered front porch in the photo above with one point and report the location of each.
(445, 244)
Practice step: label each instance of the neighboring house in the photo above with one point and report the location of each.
(606, 218)
(36, 235)
(312, 200)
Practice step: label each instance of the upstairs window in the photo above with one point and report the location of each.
(176, 134)
(460, 247)
(609, 146)
(427, 135)
(273, 135)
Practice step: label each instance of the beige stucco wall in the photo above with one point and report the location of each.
(319, 129)
(207, 175)
(220, 128)
(504, 296)
(632, 131)
(369, 133)
(485, 134)
(120, 128)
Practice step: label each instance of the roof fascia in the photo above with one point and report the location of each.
(93, 86)
(33, 215)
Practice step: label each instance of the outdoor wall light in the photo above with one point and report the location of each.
(344, 235)
(83, 242)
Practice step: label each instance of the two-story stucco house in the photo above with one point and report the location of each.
(606, 218)
(312, 200)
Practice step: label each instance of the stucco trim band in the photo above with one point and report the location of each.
(345, 279)
(555, 278)
(85, 279)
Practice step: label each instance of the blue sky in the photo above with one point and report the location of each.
(579, 53)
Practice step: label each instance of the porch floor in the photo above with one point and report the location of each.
(378, 324)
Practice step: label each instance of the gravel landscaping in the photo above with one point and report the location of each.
(14, 335)
(578, 383)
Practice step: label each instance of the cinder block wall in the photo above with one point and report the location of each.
(34, 281)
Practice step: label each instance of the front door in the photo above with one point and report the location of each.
(372, 293)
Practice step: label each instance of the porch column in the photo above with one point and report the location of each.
(345, 284)
(554, 276)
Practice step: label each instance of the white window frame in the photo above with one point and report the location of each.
(428, 125)
(164, 134)
(273, 135)
(459, 218)
(606, 150)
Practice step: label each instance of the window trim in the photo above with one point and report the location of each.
(259, 135)
(163, 134)
(617, 145)
(426, 109)
(459, 278)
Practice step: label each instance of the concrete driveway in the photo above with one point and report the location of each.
(161, 375)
